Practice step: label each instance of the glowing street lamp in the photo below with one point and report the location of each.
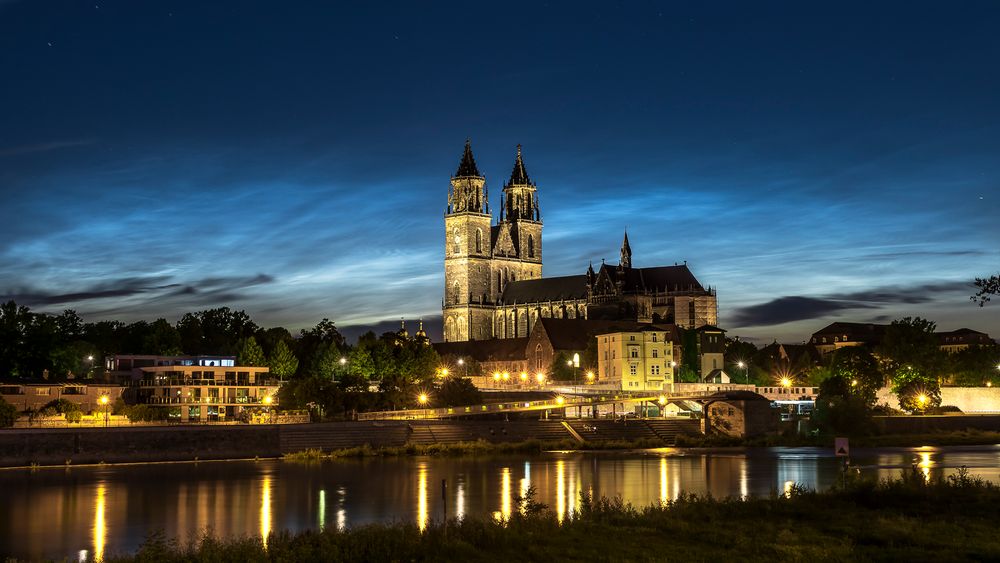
(786, 382)
(560, 400)
(746, 369)
(422, 398)
(590, 377)
(444, 372)
(104, 401)
(524, 376)
(496, 376)
(540, 378)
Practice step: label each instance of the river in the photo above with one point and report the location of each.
(80, 512)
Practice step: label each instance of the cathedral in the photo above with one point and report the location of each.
(494, 287)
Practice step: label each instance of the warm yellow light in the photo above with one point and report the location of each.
(540, 377)
(662, 400)
(496, 376)
(989, 384)
(741, 364)
(343, 361)
(569, 363)
(422, 398)
(268, 400)
(505, 376)
(524, 376)
(922, 399)
(560, 400)
(785, 382)
(590, 375)
(104, 399)
(854, 382)
(444, 372)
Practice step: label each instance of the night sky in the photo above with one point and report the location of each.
(812, 161)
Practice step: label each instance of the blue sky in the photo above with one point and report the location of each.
(812, 162)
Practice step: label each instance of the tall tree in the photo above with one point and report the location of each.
(283, 362)
(910, 342)
(250, 354)
(857, 366)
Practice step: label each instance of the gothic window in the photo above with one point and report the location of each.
(499, 281)
(531, 246)
(538, 357)
(455, 239)
(455, 292)
(479, 241)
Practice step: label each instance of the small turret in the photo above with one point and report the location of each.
(626, 258)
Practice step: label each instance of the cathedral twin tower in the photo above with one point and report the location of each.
(482, 258)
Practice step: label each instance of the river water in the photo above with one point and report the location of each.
(80, 512)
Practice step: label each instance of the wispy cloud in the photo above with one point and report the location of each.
(43, 147)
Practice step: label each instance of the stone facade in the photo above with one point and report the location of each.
(640, 360)
(493, 272)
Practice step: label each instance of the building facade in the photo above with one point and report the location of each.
(193, 393)
(642, 360)
(494, 287)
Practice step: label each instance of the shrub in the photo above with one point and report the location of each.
(8, 414)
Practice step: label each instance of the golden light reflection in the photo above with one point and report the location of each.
(265, 509)
(525, 483)
(341, 509)
(321, 511)
(460, 500)
(664, 495)
(744, 479)
(788, 488)
(925, 464)
(422, 516)
(505, 493)
(560, 490)
(100, 527)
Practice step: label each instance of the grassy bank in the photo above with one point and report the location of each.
(480, 447)
(899, 520)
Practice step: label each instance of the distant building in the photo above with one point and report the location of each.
(33, 395)
(963, 339)
(493, 272)
(840, 334)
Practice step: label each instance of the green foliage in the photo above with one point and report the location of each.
(214, 331)
(974, 366)
(842, 409)
(559, 371)
(910, 342)
(282, 362)
(145, 413)
(457, 391)
(690, 367)
(857, 366)
(250, 354)
(74, 417)
(61, 406)
(8, 414)
(326, 361)
(919, 396)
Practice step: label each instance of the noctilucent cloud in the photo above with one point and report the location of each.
(813, 162)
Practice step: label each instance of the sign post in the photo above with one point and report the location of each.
(841, 448)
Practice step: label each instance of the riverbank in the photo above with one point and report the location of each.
(902, 519)
(970, 437)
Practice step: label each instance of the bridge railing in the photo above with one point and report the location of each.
(509, 406)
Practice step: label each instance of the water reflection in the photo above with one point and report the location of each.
(265, 509)
(422, 516)
(560, 490)
(100, 527)
(106, 510)
(321, 511)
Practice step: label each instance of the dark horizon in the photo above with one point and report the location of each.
(812, 163)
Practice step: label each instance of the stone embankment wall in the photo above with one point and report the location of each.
(967, 399)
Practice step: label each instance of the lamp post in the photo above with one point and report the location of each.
(270, 411)
(104, 401)
(746, 369)
(465, 370)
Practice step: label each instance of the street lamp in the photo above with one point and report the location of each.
(590, 377)
(921, 401)
(786, 382)
(270, 412)
(540, 378)
(524, 377)
(746, 369)
(422, 399)
(104, 401)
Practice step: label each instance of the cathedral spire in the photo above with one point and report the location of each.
(626, 260)
(468, 165)
(519, 176)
